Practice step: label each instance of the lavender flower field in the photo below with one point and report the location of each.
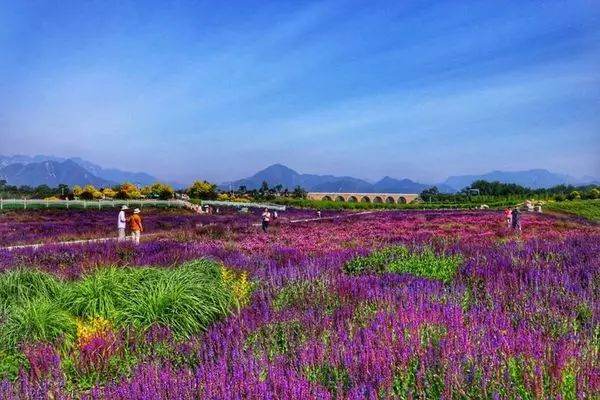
(386, 305)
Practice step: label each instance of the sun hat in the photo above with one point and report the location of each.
(124, 208)
(136, 211)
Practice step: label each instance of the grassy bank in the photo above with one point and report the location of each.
(589, 209)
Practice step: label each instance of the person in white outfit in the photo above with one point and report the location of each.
(266, 217)
(122, 223)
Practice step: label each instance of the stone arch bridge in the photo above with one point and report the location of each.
(388, 198)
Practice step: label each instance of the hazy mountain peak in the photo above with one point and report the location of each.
(51, 173)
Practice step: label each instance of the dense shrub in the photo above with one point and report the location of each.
(399, 259)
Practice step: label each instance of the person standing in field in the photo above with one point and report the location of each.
(122, 224)
(508, 216)
(266, 218)
(137, 228)
(516, 219)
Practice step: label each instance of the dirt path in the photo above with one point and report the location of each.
(70, 242)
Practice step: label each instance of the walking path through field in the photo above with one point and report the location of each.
(69, 242)
(109, 239)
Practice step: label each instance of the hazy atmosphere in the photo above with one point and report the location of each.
(201, 89)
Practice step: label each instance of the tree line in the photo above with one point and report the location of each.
(479, 190)
(499, 190)
(201, 189)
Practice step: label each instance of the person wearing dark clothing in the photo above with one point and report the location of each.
(516, 219)
(266, 217)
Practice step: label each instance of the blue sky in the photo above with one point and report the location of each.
(218, 90)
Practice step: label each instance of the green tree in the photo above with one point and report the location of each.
(574, 195)
(77, 190)
(299, 193)
(202, 190)
(109, 193)
(89, 192)
(62, 190)
(128, 191)
(159, 190)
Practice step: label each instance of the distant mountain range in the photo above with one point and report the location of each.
(50, 170)
(533, 178)
(51, 173)
(278, 174)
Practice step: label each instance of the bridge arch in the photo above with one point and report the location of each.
(352, 199)
(390, 200)
(365, 199)
(327, 198)
(377, 200)
(402, 200)
(340, 198)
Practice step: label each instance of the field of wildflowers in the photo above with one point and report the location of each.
(395, 304)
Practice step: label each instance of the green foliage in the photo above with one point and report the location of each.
(128, 191)
(589, 209)
(186, 299)
(40, 319)
(276, 339)
(305, 294)
(335, 379)
(405, 381)
(398, 259)
(497, 188)
(21, 285)
(10, 364)
(89, 192)
(299, 193)
(202, 190)
(99, 294)
(158, 190)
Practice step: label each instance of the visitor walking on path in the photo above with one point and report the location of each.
(516, 219)
(122, 224)
(508, 216)
(266, 217)
(136, 226)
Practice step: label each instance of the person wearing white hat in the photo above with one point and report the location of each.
(122, 223)
(137, 228)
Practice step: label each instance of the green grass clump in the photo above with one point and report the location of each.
(21, 285)
(306, 294)
(187, 300)
(34, 306)
(334, 379)
(99, 294)
(276, 339)
(398, 259)
(38, 320)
